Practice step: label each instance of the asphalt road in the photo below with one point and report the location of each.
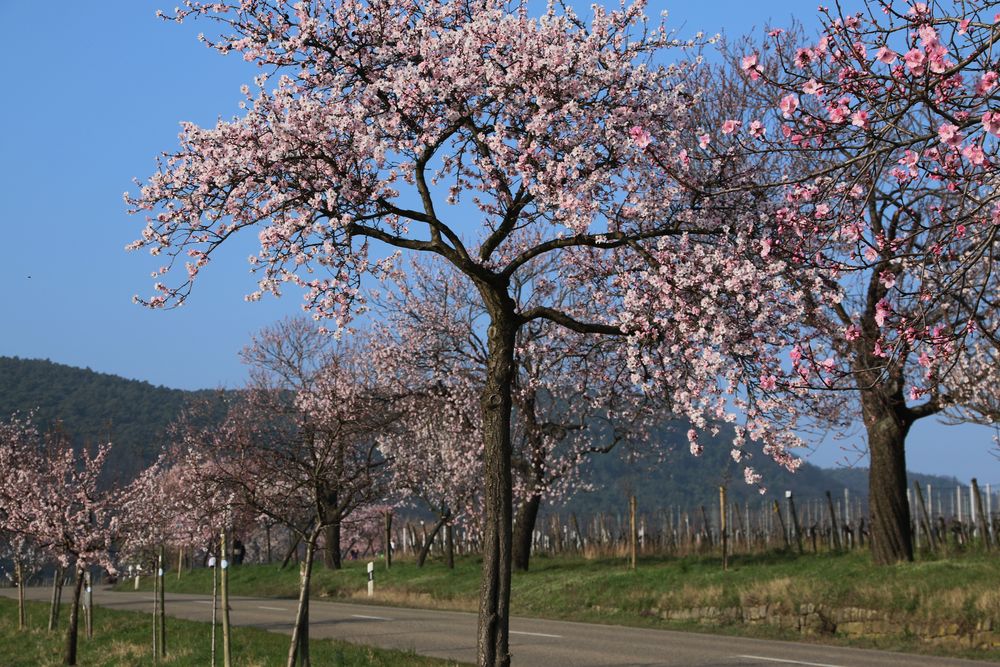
(544, 643)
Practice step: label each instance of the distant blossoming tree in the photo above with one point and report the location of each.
(572, 395)
(50, 493)
(303, 457)
(871, 156)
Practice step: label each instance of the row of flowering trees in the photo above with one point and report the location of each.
(327, 438)
(804, 233)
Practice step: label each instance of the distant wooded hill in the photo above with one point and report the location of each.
(682, 480)
(94, 407)
(135, 415)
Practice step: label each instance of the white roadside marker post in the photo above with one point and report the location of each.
(371, 580)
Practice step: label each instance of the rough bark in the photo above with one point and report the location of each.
(331, 555)
(887, 424)
(494, 598)
(524, 529)
(69, 657)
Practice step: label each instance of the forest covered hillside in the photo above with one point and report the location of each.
(93, 407)
(680, 480)
(136, 415)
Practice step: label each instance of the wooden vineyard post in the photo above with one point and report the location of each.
(706, 526)
(926, 518)
(781, 523)
(848, 524)
(794, 516)
(981, 518)
(834, 529)
(989, 511)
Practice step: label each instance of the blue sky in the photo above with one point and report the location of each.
(94, 91)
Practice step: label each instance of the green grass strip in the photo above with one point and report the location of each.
(124, 639)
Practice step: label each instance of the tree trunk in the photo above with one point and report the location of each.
(494, 591)
(331, 556)
(215, 605)
(227, 649)
(524, 529)
(449, 541)
(388, 540)
(887, 427)
(267, 552)
(19, 573)
(298, 649)
(88, 604)
(74, 619)
(292, 549)
(57, 578)
(162, 601)
(429, 540)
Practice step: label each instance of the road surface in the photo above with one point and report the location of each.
(448, 634)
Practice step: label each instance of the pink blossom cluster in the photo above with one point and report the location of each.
(536, 115)
(877, 145)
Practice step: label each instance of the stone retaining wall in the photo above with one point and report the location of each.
(855, 622)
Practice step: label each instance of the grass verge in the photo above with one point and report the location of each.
(123, 639)
(958, 590)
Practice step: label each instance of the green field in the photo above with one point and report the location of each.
(123, 639)
(958, 590)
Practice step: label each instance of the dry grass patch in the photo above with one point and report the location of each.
(769, 591)
(407, 598)
(692, 595)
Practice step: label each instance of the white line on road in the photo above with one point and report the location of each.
(535, 634)
(272, 608)
(788, 662)
(374, 618)
(202, 601)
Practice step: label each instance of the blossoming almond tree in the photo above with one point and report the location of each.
(368, 111)
(871, 155)
(300, 373)
(305, 456)
(50, 493)
(572, 394)
(434, 461)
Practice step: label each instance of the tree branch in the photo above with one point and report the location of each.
(561, 318)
